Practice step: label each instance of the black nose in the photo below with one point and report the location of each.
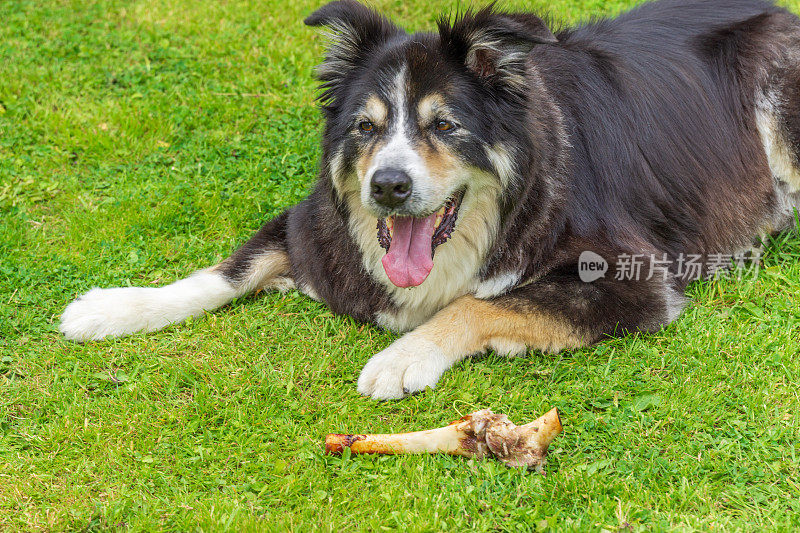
(390, 188)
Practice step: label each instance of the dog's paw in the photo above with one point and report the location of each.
(115, 312)
(407, 366)
(107, 313)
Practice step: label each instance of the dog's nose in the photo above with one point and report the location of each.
(390, 188)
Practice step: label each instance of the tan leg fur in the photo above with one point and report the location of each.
(465, 327)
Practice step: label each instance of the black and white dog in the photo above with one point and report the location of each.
(466, 171)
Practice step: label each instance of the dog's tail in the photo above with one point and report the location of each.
(261, 263)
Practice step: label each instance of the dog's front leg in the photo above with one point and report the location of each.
(261, 263)
(465, 327)
(555, 312)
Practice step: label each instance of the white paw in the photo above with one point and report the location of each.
(407, 366)
(115, 312)
(108, 313)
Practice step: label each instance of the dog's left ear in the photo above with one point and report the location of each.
(494, 45)
(355, 31)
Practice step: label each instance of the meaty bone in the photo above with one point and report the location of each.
(480, 434)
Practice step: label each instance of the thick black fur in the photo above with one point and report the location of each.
(630, 135)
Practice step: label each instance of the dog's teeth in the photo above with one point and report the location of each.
(440, 215)
(390, 226)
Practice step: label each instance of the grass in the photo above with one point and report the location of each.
(140, 141)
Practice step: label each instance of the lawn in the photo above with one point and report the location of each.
(140, 141)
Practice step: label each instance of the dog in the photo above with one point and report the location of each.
(471, 176)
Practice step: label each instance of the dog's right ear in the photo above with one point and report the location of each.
(355, 30)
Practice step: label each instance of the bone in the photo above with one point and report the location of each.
(481, 434)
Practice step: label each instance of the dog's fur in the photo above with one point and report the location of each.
(672, 129)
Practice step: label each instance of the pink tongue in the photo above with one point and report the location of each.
(410, 257)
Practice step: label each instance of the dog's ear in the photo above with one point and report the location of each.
(494, 45)
(355, 30)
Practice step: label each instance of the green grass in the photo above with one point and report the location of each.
(140, 141)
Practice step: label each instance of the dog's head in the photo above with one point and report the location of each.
(416, 122)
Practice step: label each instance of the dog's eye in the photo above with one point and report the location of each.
(444, 125)
(366, 126)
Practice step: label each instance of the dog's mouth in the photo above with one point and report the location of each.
(410, 242)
